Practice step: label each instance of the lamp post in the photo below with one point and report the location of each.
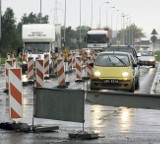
(40, 11)
(64, 34)
(80, 37)
(123, 31)
(91, 13)
(100, 12)
(107, 15)
(112, 24)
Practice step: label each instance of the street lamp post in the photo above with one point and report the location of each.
(80, 34)
(107, 25)
(123, 31)
(100, 12)
(40, 11)
(64, 34)
(91, 13)
(112, 24)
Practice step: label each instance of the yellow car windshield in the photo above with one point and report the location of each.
(112, 60)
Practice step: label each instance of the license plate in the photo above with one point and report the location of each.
(111, 81)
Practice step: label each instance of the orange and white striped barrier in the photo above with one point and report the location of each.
(8, 65)
(78, 69)
(39, 73)
(15, 93)
(70, 61)
(30, 69)
(55, 66)
(88, 67)
(61, 73)
(94, 57)
(74, 59)
(46, 65)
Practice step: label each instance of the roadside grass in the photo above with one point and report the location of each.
(158, 55)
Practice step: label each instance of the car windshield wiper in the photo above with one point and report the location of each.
(111, 61)
(121, 61)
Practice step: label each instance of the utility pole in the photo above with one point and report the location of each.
(40, 11)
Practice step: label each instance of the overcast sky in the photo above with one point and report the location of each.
(144, 13)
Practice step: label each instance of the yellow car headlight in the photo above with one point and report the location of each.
(125, 74)
(97, 73)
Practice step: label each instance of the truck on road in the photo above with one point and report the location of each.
(97, 39)
(38, 39)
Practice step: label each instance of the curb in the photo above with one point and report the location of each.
(156, 80)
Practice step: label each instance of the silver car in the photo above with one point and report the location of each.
(147, 58)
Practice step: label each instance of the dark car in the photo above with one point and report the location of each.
(131, 50)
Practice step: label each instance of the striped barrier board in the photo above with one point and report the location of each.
(46, 65)
(8, 65)
(39, 73)
(30, 69)
(70, 63)
(15, 93)
(61, 72)
(78, 69)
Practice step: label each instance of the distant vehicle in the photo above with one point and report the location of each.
(39, 39)
(147, 58)
(123, 48)
(143, 44)
(133, 52)
(97, 39)
(114, 70)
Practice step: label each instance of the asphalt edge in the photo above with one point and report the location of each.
(156, 81)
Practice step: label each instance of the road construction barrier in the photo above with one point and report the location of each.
(15, 93)
(78, 68)
(14, 62)
(39, 73)
(30, 69)
(121, 99)
(55, 66)
(94, 57)
(61, 73)
(24, 57)
(46, 65)
(74, 59)
(88, 67)
(8, 65)
(59, 104)
(70, 61)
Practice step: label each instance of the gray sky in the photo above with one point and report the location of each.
(144, 13)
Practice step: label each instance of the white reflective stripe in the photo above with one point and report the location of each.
(39, 66)
(46, 59)
(61, 78)
(16, 106)
(15, 80)
(39, 80)
(30, 62)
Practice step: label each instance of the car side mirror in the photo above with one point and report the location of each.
(134, 65)
(138, 63)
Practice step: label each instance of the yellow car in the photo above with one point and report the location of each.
(113, 70)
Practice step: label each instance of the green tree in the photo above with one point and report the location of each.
(128, 34)
(9, 38)
(34, 18)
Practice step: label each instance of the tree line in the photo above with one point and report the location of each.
(12, 32)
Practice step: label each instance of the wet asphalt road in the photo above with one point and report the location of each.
(114, 124)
